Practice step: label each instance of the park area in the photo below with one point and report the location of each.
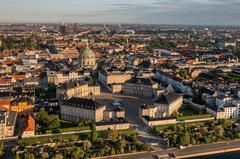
(199, 132)
(231, 76)
(81, 145)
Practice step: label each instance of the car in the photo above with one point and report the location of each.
(182, 147)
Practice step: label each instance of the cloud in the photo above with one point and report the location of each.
(129, 11)
(6, 2)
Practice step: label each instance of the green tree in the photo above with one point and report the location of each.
(112, 135)
(77, 153)
(121, 144)
(84, 122)
(236, 52)
(42, 120)
(17, 156)
(30, 156)
(219, 131)
(185, 139)
(54, 124)
(183, 73)
(86, 144)
(1, 148)
(93, 134)
(44, 155)
(91, 80)
(45, 122)
(113, 151)
(193, 141)
(58, 156)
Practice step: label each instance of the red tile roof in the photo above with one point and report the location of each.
(30, 124)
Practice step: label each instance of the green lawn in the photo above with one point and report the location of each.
(103, 134)
(66, 126)
(187, 110)
(79, 136)
(233, 76)
(40, 140)
(199, 116)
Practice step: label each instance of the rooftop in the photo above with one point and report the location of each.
(82, 103)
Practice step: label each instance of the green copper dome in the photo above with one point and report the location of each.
(87, 53)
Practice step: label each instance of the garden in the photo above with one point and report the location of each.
(199, 132)
(79, 146)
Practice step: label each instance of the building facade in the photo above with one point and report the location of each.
(7, 123)
(144, 87)
(58, 78)
(76, 109)
(76, 88)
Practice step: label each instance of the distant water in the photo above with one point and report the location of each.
(233, 155)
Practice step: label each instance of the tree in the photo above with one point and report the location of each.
(30, 156)
(112, 135)
(150, 49)
(58, 156)
(86, 144)
(91, 80)
(84, 122)
(54, 124)
(183, 73)
(45, 122)
(121, 144)
(42, 119)
(44, 155)
(17, 156)
(145, 147)
(93, 134)
(236, 52)
(1, 148)
(219, 131)
(113, 151)
(77, 153)
(185, 139)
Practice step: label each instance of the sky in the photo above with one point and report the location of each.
(196, 12)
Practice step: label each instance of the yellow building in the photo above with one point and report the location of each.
(58, 78)
(21, 105)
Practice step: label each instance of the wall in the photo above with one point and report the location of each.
(122, 126)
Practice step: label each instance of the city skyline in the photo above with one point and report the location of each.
(195, 12)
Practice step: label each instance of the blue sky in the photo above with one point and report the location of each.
(220, 12)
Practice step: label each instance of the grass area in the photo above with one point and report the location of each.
(199, 116)
(187, 110)
(164, 127)
(79, 136)
(69, 126)
(128, 132)
(231, 75)
(66, 126)
(45, 139)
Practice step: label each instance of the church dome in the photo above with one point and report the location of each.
(87, 53)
